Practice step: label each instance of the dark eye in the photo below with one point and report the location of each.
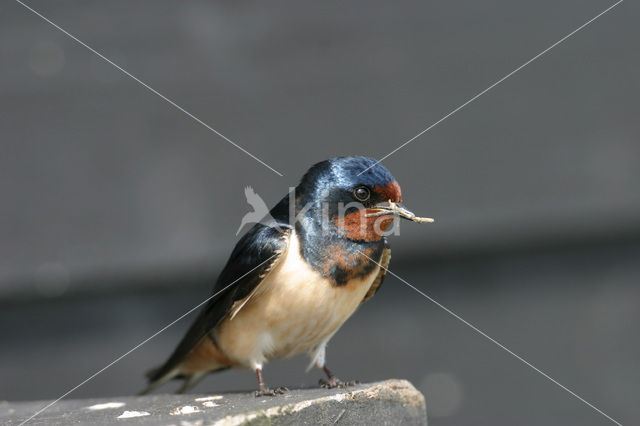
(361, 193)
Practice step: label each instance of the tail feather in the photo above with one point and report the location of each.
(173, 367)
(150, 374)
(156, 379)
(192, 380)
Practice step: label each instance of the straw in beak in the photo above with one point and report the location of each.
(396, 209)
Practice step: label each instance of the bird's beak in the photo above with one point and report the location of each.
(395, 209)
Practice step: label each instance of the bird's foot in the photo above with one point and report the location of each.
(334, 382)
(271, 392)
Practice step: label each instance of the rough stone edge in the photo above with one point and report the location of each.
(399, 391)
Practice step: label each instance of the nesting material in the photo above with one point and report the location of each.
(397, 210)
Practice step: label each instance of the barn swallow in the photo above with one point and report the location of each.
(298, 279)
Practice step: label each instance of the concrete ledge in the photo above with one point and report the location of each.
(387, 402)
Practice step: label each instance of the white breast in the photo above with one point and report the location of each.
(292, 311)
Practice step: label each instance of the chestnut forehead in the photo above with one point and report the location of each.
(390, 191)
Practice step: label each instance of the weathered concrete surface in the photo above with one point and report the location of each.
(387, 402)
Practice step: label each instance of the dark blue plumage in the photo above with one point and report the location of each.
(339, 175)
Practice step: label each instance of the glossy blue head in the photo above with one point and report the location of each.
(348, 190)
(347, 179)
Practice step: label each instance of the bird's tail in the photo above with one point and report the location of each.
(157, 377)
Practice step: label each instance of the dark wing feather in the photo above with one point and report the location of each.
(256, 253)
(384, 261)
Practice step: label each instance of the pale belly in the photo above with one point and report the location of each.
(294, 310)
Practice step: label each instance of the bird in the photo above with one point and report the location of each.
(260, 211)
(297, 280)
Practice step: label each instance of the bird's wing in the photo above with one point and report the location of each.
(257, 252)
(384, 262)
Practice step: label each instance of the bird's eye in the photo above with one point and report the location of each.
(361, 193)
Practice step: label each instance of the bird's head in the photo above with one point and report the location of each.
(355, 197)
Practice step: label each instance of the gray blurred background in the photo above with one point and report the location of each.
(117, 210)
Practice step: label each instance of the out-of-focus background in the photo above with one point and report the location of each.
(117, 211)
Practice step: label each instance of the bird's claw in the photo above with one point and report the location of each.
(271, 392)
(336, 383)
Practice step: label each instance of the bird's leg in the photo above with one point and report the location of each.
(334, 382)
(263, 389)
